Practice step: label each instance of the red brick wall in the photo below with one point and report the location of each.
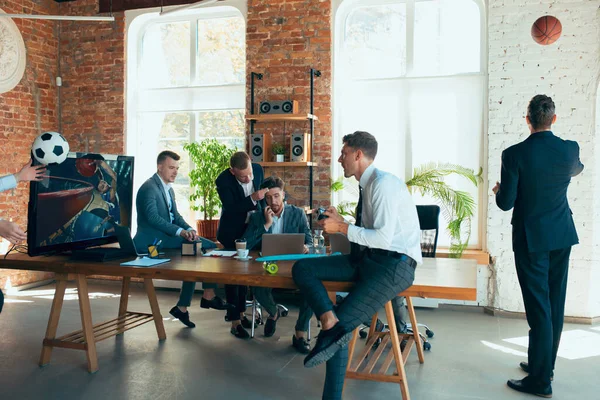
(285, 38)
(27, 110)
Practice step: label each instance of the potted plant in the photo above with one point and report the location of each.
(279, 151)
(209, 158)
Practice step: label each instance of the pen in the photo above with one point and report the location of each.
(158, 243)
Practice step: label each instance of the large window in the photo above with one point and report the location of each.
(186, 82)
(411, 73)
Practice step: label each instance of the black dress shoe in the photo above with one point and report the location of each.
(300, 344)
(526, 386)
(246, 323)
(328, 343)
(216, 302)
(271, 325)
(239, 332)
(525, 367)
(184, 317)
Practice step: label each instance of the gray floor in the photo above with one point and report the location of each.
(209, 363)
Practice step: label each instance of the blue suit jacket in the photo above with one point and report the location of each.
(534, 180)
(153, 218)
(294, 221)
(236, 205)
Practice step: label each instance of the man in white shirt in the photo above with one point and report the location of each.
(9, 230)
(385, 252)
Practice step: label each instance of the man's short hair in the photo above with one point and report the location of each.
(363, 141)
(272, 182)
(541, 111)
(163, 155)
(239, 160)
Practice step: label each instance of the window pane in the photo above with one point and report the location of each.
(226, 126)
(221, 51)
(166, 55)
(447, 37)
(174, 134)
(375, 42)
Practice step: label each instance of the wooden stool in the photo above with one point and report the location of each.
(362, 367)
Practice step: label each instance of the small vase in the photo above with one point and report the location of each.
(279, 157)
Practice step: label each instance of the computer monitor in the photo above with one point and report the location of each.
(79, 203)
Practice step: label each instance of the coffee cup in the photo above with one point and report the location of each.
(240, 244)
(242, 253)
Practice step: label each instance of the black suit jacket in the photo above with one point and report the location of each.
(534, 180)
(235, 205)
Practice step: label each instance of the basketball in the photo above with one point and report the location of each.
(86, 167)
(546, 30)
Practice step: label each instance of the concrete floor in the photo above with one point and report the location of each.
(470, 358)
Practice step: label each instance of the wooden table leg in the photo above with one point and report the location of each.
(160, 328)
(57, 302)
(413, 321)
(389, 311)
(86, 323)
(124, 300)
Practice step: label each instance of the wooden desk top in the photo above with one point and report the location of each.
(441, 278)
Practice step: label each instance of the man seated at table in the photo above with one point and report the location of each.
(279, 217)
(158, 219)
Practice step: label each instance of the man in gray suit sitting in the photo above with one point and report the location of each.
(279, 217)
(158, 219)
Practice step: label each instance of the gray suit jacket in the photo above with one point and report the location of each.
(294, 221)
(153, 217)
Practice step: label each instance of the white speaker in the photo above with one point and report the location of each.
(260, 147)
(300, 147)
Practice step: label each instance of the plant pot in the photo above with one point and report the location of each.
(207, 228)
(279, 157)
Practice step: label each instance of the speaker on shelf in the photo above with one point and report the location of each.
(260, 147)
(278, 107)
(300, 146)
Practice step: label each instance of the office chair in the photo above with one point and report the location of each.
(429, 216)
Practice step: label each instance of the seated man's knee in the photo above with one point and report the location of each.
(300, 269)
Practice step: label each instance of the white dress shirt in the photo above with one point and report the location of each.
(278, 222)
(389, 216)
(248, 190)
(8, 182)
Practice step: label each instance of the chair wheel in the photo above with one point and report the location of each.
(363, 334)
(284, 313)
(426, 346)
(429, 333)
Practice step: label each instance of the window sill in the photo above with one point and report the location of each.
(481, 256)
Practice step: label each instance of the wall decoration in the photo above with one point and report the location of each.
(12, 54)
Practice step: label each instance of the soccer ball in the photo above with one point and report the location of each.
(50, 148)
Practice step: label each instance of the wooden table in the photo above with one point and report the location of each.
(436, 278)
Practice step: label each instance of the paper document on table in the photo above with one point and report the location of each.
(220, 253)
(146, 262)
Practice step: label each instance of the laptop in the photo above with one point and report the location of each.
(339, 243)
(282, 243)
(126, 241)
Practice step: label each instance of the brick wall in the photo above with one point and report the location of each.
(25, 111)
(285, 38)
(568, 71)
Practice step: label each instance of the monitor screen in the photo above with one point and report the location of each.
(79, 202)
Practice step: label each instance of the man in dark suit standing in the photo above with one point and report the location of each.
(240, 197)
(534, 180)
(279, 217)
(158, 219)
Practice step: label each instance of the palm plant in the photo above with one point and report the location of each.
(458, 207)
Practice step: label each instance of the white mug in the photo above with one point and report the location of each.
(242, 253)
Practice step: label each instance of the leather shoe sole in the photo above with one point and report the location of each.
(322, 355)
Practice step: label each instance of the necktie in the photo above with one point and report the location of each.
(171, 200)
(355, 248)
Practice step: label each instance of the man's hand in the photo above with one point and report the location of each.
(30, 173)
(12, 232)
(268, 217)
(332, 213)
(305, 249)
(331, 225)
(496, 188)
(194, 235)
(259, 194)
(187, 235)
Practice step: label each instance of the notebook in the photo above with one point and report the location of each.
(146, 262)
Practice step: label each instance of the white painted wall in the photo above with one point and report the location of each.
(568, 71)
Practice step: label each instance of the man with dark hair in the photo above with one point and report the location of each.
(535, 177)
(237, 190)
(158, 219)
(279, 217)
(385, 251)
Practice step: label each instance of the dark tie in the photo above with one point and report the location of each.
(355, 248)
(171, 201)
